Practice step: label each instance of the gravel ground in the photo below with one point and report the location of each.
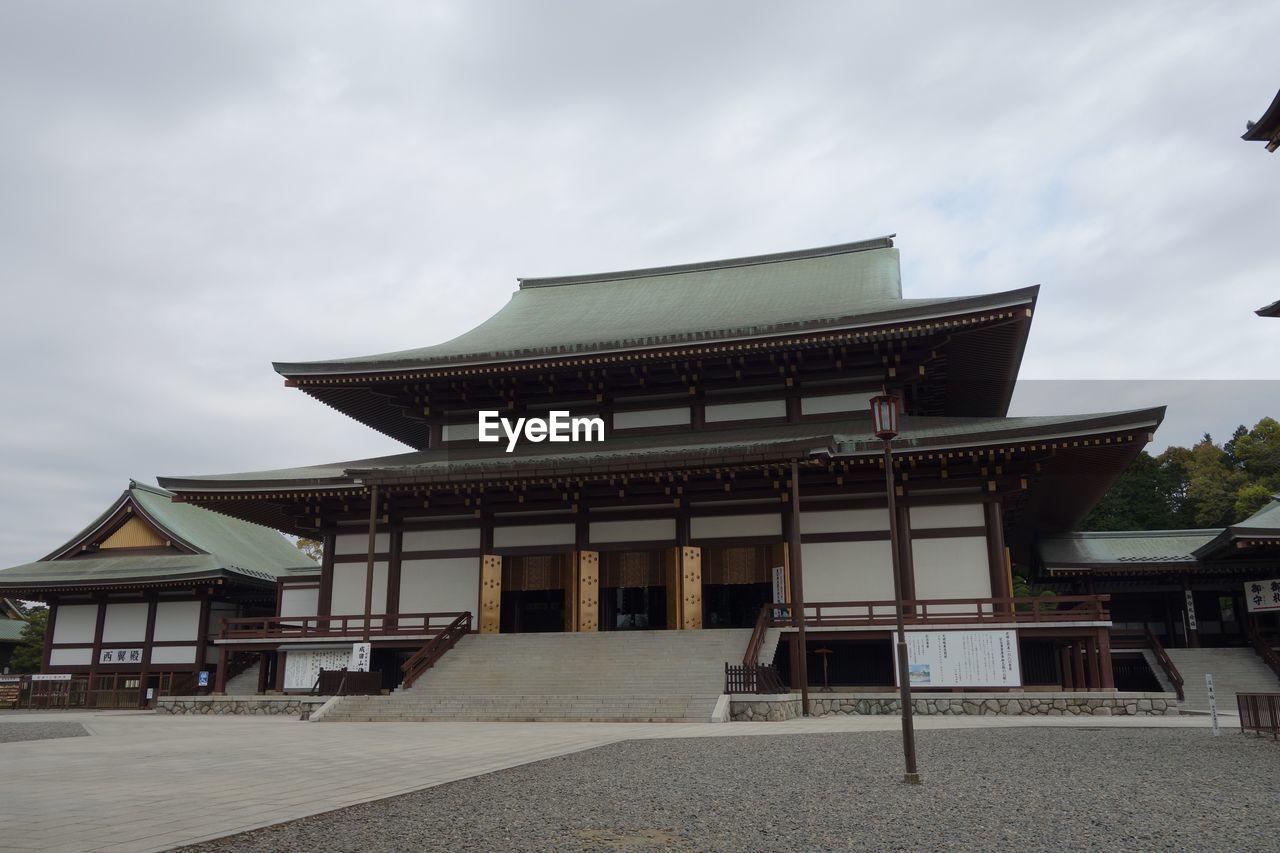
(13, 732)
(1024, 789)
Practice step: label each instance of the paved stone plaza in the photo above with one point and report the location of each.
(147, 782)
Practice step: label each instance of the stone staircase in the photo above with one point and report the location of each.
(1234, 671)
(611, 676)
(244, 684)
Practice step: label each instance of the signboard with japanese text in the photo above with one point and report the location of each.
(1191, 611)
(1262, 596)
(360, 653)
(779, 577)
(120, 656)
(962, 659)
(51, 676)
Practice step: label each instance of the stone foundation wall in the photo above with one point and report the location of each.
(292, 706)
(776, 708)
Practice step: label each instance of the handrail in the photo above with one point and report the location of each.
(951, 611)
(294, 627)
(1263, 648)
(752, 656)
(430, 654)
(1166, 663)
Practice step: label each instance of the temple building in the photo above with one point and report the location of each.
(1266, 129)
(736, 471)
(137, 597)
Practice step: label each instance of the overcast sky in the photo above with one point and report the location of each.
(189, 191)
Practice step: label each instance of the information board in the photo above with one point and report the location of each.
(962, 659)
(360, 654)
(1262, 596)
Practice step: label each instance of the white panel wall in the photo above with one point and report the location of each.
(75, 623)
(71, 657)
(735, 526)
(948, 568)
(636, 530)
(440, 540)
(348, 588)
(651, 418)
(300, 602)
(844, 521)
(860, 402)
(469, 431)
(302, 668)
(440, 586)
(848, 571)
(533, 534)
(358, 543)
(962, 515)
(173, 654)
(125, 623)
(177, 620)
(718, 412)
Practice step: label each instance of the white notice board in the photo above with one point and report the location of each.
(1262, 596)
(962, 659)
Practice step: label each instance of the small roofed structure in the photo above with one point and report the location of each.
(135, 597)
(1267, 128)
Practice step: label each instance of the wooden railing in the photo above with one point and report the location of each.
(341, 682)
(1259, 712)
(752, 678)
(1263, 648)
(752, 657)
(429, 654)
(944, 611)
(300, 627)
(1166, 663)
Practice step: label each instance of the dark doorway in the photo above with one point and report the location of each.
(633, 592)
(533, 593)
(736, 583)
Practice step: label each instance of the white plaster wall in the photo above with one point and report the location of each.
(651, 418)
(173, 654)
(177, 620)
(348, 589)
(533, 535)
(75, 623)
(735, 526)
(950, 568)
(857, 402)
(845, 521)
(961, 515)
(302, 668)
(718, 412)
(358, 543)
(441, 540)
(635, 530)
(439, 586)
(125, 623)
(71, 657)
(848, 571)
(301, 602)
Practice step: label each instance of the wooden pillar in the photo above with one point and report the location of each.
(490, 594)
(905, 563)
(50, 622)
(97, 644)
(368, 575)
(1095, 666)
(690, 588)
(1077, 666)
(671, 576)
(281, 660)
(324, 601)
(262, 672)
(220, 677)
(1104, 659)
(1064, 664)
(585, 591)
(1000, 587)
(148, 638)
(797, 586)
(393, 580)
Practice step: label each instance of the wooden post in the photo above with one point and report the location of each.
(281, 658)
(490, 594)
(324, 600)
(905, 563)
(1077, 666)
(220, 677)
(262, 673)
(48, 634)
(586, 591)
(1064, 665)
(1104, 660)
(373, 546)
(996, 554)
(148, 638)
(690, 570)
(797, 587)
(390, 623)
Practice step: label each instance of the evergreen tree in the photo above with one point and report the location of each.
(29, 653)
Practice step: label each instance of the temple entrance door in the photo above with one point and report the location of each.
(736, 583)
(633, 594)
(534, 590)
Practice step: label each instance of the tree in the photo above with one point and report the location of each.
(1149, 495)
(1250, 499)
(29, 653)
(1212, 485)
(1258, 453)
(312, 548)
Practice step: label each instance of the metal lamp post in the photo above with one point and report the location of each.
(884, 415)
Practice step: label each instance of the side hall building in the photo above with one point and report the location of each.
(738, 471)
